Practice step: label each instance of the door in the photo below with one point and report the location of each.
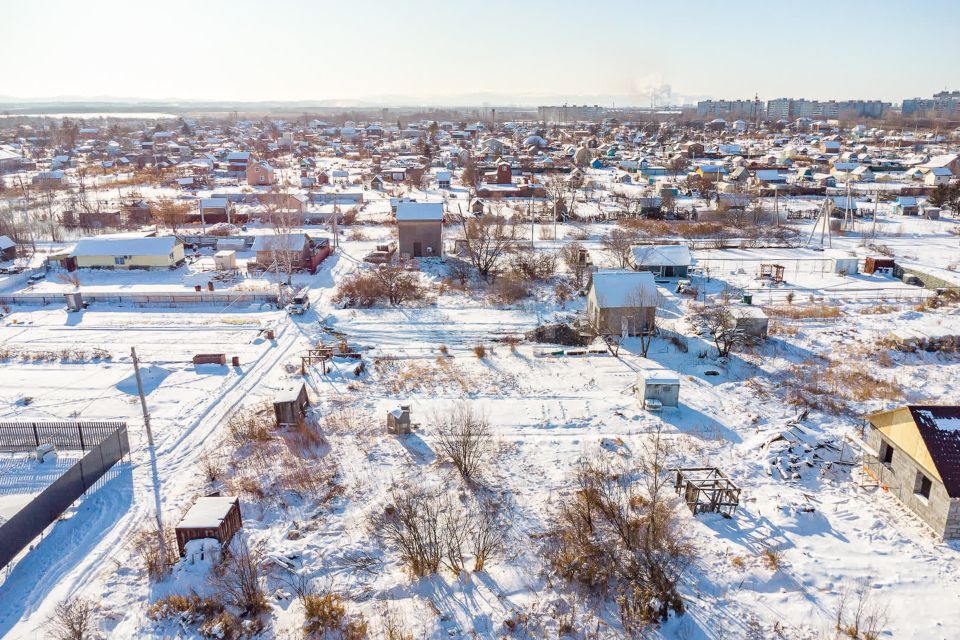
(417, 249)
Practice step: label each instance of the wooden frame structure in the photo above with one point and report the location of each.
(321, 354)
(769, 271)
(707, 490)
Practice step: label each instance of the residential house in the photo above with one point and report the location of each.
(662, 260)
(622, 302)
(8, 249)
(128, 252)
(914, 453)
(300, 251)
(420, 228)
(216, 209)
(259, 174)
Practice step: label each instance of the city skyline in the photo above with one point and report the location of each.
(456, 55)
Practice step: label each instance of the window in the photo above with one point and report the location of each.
(120, 260)
(886, 452)
(922, 485)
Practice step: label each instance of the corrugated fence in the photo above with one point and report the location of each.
(106, 442)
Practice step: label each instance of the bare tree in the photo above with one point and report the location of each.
(575, 257)
(487, 239)
(464, 437)
(73, 619)
(488, 532)
(618, 244)
(717, 321)
(171, 213)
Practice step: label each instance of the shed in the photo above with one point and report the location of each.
(290, 405)
(750, 320)
(216, 517)
(880, 266)
(225, 260)
(659, 385)
(664, 260)
(398, 420)
(8, 248)
(420, 228)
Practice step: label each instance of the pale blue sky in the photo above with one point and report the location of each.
(449, 52)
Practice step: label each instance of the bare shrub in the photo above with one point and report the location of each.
(432, 529)
(392, 283)
(480, 351)
(512, 342)
(532, 265)
(157, 548)
(238, 577)
(359, 289)
(463, 437)
(509, 289)
(400, 285)
(73, 619)
(412, 523)
(618, 534)
(858, 617)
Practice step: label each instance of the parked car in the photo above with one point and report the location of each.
(913, 280)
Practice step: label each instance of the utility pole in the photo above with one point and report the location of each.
(143, 399)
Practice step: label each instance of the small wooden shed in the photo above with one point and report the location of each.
(290, 405)
(216, 517)
(658, 388)
(880, 266)
(398, 420)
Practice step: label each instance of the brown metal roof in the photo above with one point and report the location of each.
(939, 427)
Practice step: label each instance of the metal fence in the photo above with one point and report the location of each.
(28, 523)
(65, 436)
(185, 298)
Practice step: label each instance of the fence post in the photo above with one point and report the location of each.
(36, 436)
(82, 446)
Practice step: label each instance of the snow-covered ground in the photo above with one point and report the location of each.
(830, 526)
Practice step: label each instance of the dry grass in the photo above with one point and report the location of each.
(878, 309)
(813, 311)
(401, 377)
(772, 558)
(480, 351)
(778, 328)
(831, 386)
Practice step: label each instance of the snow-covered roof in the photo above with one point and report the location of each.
(659, 376)
(409, 211)
(207, 512)
(6, 242)
(614, 288)
(213, 203)
(280, 242)
(669, 255)
(124, 246)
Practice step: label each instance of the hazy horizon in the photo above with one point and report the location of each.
(451, 54)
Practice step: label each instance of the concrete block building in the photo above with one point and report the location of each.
(914, 453)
